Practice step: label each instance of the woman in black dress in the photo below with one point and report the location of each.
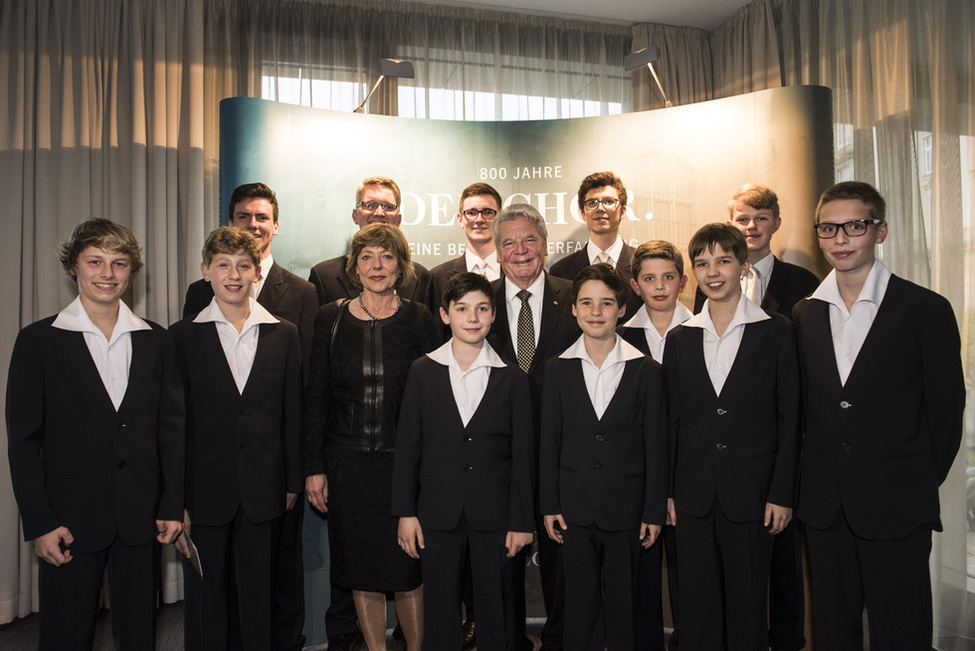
(361, 354)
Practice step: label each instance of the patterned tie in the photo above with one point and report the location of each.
(480, 268)
(753, 284)
(603, 257)
(526, 332)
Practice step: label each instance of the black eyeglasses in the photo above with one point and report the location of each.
(373, 206)
(855, 228)
(487, 213)
(608, 204)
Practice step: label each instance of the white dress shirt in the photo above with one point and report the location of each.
(850, 327)
(754, 284)
(492, 270)
(602, 381)
(655, 341)
(467, 386)
(537, 290)
(112, 356)
(613, 251)
(720, 352)
(240, 348)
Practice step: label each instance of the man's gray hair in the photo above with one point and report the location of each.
(516, 211)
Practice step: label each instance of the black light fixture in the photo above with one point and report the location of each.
(646, 57)
(388, 68)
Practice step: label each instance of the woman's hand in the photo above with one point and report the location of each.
(316, 487)
(410, 536)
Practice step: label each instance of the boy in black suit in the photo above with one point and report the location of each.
(95, 433)
(242, 376)
(884, 401)
(733, 377)
(462, 473)
(603, 464)
(658, 279)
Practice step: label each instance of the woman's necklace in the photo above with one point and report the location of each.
(399, 302)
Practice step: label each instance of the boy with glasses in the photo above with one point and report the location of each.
(884, 395)
(602, 204)
(479, 203)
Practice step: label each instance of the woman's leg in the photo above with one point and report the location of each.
(409, 612)
(370, 607)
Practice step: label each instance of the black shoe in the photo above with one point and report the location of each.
(469, 640)
(346, 642)
(399, 636)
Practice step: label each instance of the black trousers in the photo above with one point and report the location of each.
(69, 598)
(890, 577)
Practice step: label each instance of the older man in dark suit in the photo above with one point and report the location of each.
(254, 208)
(534, 323)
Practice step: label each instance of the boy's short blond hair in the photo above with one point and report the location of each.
(759, 197)
(102, 234)
(230, 240)
(656, 249)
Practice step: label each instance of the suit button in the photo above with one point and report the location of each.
(598, 467)
(722, 412)
(599, 437)
(121, 465)
(467, 439)
(846, 447)
(721, 446)
(468, 467)
(242, 412)
(120, 426)
(845, 405)
(240, 446)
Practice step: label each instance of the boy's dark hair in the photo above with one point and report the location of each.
(463, 284)
(855, 190)
(253, 191)
(729, 238)
(385, 236)
(759, 197)
(103, 234)
(230, 240)
(656, 249)
(600, 180)
(478, 189)
(607, 275)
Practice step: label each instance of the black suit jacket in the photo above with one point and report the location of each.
(444, 272)
(332, 283)
(284, 295)
(484, 471)
(787, 285)
(74, 460)
(741, 447)
(609, 471)
(573, 263)
(241, 449)
(880, 445)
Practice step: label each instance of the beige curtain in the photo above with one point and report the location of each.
(901, 72)
(101, 119)
(684, 68)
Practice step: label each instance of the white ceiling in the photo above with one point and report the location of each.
(705, 14)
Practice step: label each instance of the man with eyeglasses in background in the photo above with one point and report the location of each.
(377, 200)
(602, 203)
(479, 203)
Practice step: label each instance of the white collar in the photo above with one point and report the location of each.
(74, 318)
(642, 318)
(622, 351)
(266, 264)
(873, 290)
(486, 357)
(746, 312)
(537, 288)
(764, 266)
(613, 251)
(471, 259)
(212, 312)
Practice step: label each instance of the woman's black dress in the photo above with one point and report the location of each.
(357, 376)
